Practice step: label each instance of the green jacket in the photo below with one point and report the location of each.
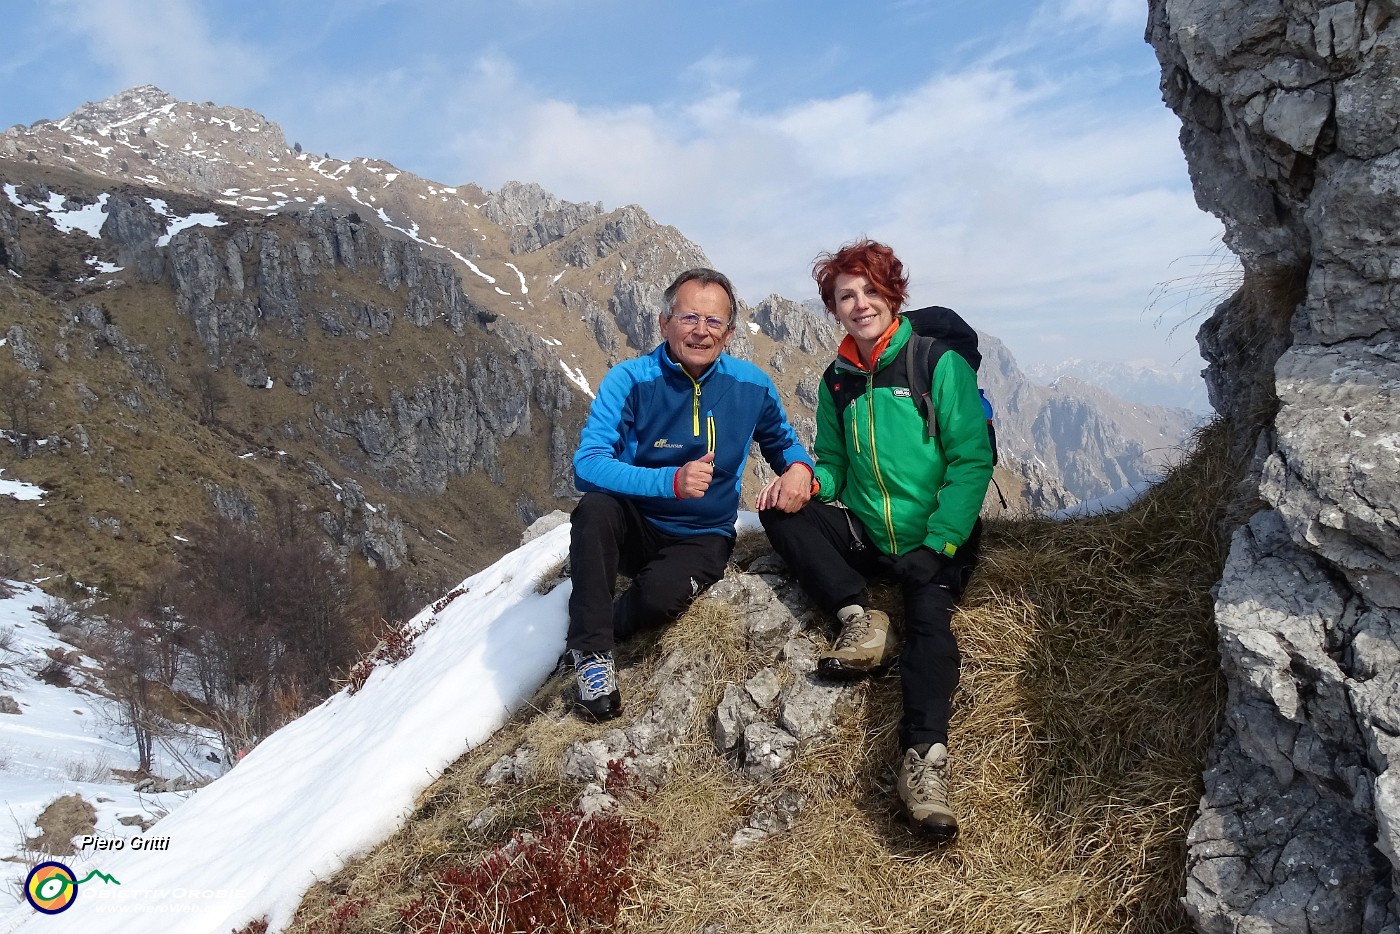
(874, 455)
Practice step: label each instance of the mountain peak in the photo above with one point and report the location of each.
(122, 107)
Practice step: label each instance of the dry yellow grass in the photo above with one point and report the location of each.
(1089, 697)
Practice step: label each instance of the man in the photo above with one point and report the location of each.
(660, 462)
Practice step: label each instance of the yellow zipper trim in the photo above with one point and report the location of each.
(855, 424)
(695, 417)
(875, 466)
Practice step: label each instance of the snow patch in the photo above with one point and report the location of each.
(524, 289)
(17, 488)
(577, 378)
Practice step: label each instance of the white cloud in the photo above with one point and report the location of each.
(1111, 12)
(168, 43)
(719, 70)
(1010, 197)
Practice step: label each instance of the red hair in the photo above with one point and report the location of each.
(875, 261)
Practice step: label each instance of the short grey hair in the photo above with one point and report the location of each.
(703, 276)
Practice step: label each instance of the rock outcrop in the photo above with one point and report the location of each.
(1289, 116)
(760, 723)
(536, 217)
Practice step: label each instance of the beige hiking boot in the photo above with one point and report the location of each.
(923, 790)
(865, 645)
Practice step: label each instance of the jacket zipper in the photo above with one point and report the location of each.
(875, 467)
(695, 416)
(855, 433)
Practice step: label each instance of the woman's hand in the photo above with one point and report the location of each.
(921, 566)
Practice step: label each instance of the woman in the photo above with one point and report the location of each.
(891, 500)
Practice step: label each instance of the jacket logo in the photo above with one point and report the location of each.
(902, 393)
(663, 443)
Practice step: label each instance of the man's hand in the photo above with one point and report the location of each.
(694, 477)
(789, 492)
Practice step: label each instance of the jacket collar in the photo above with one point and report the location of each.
(894, 338)
(663, 353)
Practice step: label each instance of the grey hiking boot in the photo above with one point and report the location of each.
(923, 790)
(865, 645)
(596, 676)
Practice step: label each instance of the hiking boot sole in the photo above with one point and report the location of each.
(602, 709)
(940, 833)
(834, 669)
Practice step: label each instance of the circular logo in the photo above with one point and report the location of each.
(50, 888)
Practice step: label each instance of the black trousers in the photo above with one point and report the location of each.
(828, 550)
(610, 536)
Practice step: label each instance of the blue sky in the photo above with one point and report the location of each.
(1016, 154)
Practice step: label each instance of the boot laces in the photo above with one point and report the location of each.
(596, 674)
(929, 779)
(854, 632)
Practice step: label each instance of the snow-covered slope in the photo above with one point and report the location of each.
(336, 781)
(59, 735)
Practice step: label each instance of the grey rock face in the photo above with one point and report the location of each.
(1290, 113)
(771, 618)
(535, 217)
(23, 349)
(134, 226)
(787, 322)
(774, 813)
(1289, 812)
(765, 749)
(231, 504)
(668, 718)
(449, 424)
(764, 687)
(512, 768)
(634, 307)
(808, 706)
(11, 254)
(543, 525)
(735, 712)
(587, 760)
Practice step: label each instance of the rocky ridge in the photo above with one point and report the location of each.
(1289, 114)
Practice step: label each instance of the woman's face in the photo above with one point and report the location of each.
(861, 310)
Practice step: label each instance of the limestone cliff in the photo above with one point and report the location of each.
(1290, 111)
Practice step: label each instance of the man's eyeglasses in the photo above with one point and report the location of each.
(692, 320)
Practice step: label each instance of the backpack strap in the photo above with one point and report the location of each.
(919, 362)
(930, 351)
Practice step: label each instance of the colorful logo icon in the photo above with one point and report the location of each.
(52, 887)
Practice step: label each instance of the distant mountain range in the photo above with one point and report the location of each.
(1146, 383)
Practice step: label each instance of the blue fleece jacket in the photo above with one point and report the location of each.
(650, 418)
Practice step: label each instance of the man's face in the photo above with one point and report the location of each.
(696, 346)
